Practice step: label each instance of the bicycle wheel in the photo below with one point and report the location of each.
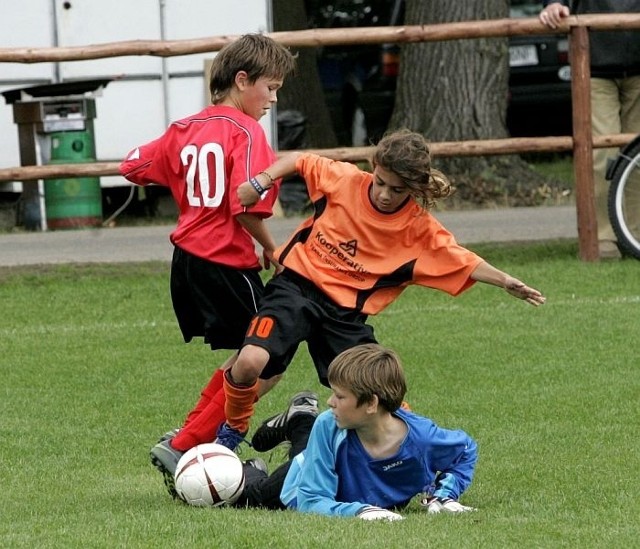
(624, 199)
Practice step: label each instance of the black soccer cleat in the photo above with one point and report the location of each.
(273, 431)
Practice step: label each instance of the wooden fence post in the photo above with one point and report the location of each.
(582, 144)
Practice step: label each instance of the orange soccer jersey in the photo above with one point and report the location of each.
(363, 258)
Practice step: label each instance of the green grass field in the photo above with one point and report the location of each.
(94, 370)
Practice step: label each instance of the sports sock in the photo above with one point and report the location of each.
(239, 406)
(203, 427)
(214, 385)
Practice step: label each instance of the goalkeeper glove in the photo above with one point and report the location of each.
(445, 505)
(378, 513)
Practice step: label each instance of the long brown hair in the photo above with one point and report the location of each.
(406, 153)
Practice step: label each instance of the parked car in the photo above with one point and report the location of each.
(539, 80)
(360, 81)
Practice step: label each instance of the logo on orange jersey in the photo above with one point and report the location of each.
(338, 253)
(350, 247)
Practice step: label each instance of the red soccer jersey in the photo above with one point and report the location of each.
(363, 258)
(203, 159)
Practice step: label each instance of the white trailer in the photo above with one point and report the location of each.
(145, 93)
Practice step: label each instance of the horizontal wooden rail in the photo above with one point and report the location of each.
(322, 37)
(348, 154)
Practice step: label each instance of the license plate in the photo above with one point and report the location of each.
(522, 56)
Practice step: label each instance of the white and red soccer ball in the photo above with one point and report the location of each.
(209, 475)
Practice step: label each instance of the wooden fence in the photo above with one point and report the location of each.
(581, 142)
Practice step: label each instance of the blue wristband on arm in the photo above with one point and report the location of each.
(256, 185)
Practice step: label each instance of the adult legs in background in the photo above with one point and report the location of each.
(615, 108)
(630, 105)
(605, 119)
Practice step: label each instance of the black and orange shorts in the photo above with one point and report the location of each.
(293, 310)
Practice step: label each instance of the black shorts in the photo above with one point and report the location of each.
(212, 300)
(293, 310)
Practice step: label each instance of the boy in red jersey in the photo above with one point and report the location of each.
(370, 237)
(202, 159)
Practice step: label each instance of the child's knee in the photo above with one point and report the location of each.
(250, 363)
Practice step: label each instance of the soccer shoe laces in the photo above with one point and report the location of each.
(230, 438)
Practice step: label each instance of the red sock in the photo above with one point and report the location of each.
(204, 426)
(214, 385)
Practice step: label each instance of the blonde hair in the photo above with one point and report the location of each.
(368, 370)
(257, 55)
(406, 154)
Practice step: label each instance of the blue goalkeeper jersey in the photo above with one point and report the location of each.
(336, 476)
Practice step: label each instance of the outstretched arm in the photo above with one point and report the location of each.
(283, 167)
(488, 274)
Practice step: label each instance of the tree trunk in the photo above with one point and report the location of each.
(462, 84)
(457, 90)
(303, 92)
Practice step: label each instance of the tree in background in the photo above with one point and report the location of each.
(457, 90)
(304, 91)
(448, 90)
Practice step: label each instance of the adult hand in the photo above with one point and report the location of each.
(553, 14)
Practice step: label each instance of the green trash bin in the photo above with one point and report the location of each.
(76, 202)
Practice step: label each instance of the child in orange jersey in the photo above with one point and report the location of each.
(371, 236)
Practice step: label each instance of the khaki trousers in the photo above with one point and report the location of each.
(615, 108)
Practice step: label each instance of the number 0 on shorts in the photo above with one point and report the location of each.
(260, 326)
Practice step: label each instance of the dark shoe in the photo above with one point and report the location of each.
(165, 458)
(229, 437)
(169, 434)
(273, 430)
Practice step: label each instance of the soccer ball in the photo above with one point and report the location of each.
(209, 475)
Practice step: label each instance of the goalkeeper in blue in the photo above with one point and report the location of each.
(367, 456)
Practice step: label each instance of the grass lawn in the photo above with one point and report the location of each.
(558, 166)
(94, 370)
